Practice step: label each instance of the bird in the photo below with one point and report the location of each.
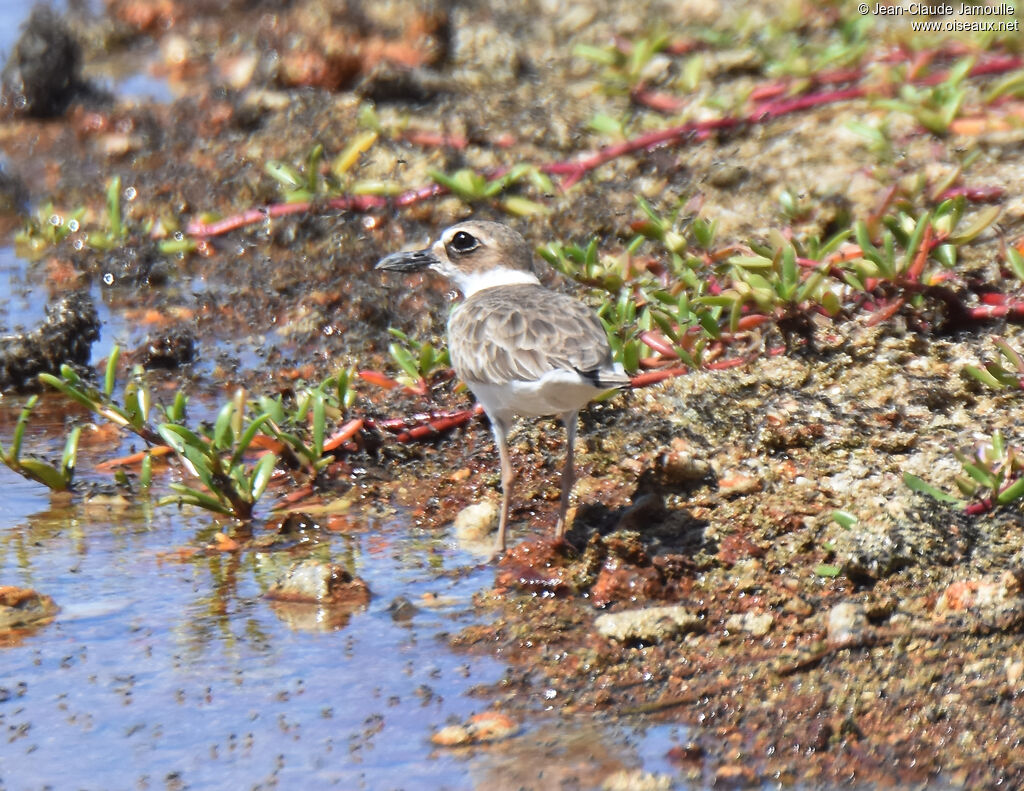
(521, 348)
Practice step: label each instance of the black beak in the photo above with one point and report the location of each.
(412, 261)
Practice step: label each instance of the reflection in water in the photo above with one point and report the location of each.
(170, 666)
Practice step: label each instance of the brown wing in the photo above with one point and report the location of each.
(520, 333)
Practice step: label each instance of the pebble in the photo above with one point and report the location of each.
(490, 726)
(477, 521)
(648, 624)
(21, 607)
(636, 780)
(311, 580)
(1014, 673)
(846, 622)
(756, 623)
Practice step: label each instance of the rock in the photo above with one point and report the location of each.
(65, 336)
(636, 780)
(996, 599)
(452, 736)
(312, 581)
(477, 521)
(170, 351)
(386, 82)
(622, 582)
(878, 548)
(23, 607)
(648, 624)
(756, 623)
(846, 623)
(43, 74)
(683, 463)
(1014, 673)
(402, 610)
(315, 596)
(490, 726)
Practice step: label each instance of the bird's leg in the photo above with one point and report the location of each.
(568, 472)
(507, 476)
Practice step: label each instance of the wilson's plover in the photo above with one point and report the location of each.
(520, 347)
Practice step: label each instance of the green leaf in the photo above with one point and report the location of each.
(247, 437)
(751, 261)
(1010, 354)
(426, 358)
(69, 390)
(111, 373)
(915, 240)
(631, 356)
(176, 412)
(827, 570)
(919, 485)
(222, 435)
(284, 174)
(404, 359)
(601, 55)
(200, 465)
(192, 496)
(70, 454)
(19, 428)
(44, 474)
(1011, 493)
(261, 475)
(844, 519)
(319, 422)
(605, 124)
(982, 220)
(316, 154)
(985, 377)
(867, 249)
(272, 408)
(518, 206)
(178, 437)
(114, 207)
(981, 475)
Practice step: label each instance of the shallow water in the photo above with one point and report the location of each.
(163, 672)
(168, 672)
(159, 669)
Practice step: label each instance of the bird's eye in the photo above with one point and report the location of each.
(463, 242)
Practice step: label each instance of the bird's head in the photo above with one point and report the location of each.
(473, 255)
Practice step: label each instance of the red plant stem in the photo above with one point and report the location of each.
(975, 194)
(1010, 310)
(573, 171)
(981, 507)
(916, 268)
(379, 379)
(344, 434)
(883, 207)
(886, 312)
(434, 427)
(397, 425)
(752, 321)
(653, 377)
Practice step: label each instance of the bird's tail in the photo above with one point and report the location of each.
(607, 378)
